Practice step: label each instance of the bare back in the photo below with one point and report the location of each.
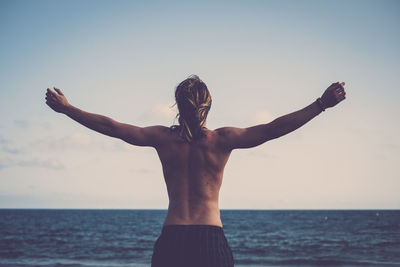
(193, 174)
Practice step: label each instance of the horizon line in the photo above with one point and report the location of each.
(155, 209)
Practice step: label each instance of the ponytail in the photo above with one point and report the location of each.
(194, 101)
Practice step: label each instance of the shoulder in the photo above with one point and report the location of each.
(143, 136)
(158, 131)
(225, 132)
(224, 135)
(164, 134)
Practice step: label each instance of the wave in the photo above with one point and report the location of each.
(316, 262)
(67, 263)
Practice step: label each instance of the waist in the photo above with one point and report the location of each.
(178, 228)
(200, 213)
(173, 221)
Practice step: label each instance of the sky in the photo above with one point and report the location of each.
(259, 59)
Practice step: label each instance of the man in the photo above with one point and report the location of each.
(193, 160)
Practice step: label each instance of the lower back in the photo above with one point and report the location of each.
(201, 213)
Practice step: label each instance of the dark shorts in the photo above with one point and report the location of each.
(192, 246)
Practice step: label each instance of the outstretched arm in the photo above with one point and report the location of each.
(147, 136)
(233, 138)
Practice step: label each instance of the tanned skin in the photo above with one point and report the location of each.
(193, 171)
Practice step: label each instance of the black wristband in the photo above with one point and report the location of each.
(320, 104)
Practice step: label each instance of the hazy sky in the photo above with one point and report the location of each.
(259, 59)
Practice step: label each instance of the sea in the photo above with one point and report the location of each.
(118, 238)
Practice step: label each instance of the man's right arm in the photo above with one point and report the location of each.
(232, 138)
(135, 135)
(139, 136)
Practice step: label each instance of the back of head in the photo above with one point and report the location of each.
(194, 101)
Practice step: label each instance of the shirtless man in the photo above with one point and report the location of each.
(193, 160)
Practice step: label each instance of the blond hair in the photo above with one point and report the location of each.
(194, 101)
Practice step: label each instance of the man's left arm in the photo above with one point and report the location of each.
(233, 138)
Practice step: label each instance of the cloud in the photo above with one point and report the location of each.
(48, 163)
(23, 124)
(262, 116)
(53, 164)
(7, 146)
(142, 170)
(160, 112)
(11, 150)
(261, 154)
(45, 124)
(5, 162)
(164, 111)
(80, 141)
(117, 145)
(74, 141)
(3, 140)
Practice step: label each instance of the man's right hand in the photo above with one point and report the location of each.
(333, 95)
(56, 100)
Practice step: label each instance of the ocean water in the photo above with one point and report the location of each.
(257, 237)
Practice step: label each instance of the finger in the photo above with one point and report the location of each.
(51, 92)
(340, 91)
(58, 90)
(50, 96)
(337, 95)
(333, 86)
(342, 85)
(337, 91)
